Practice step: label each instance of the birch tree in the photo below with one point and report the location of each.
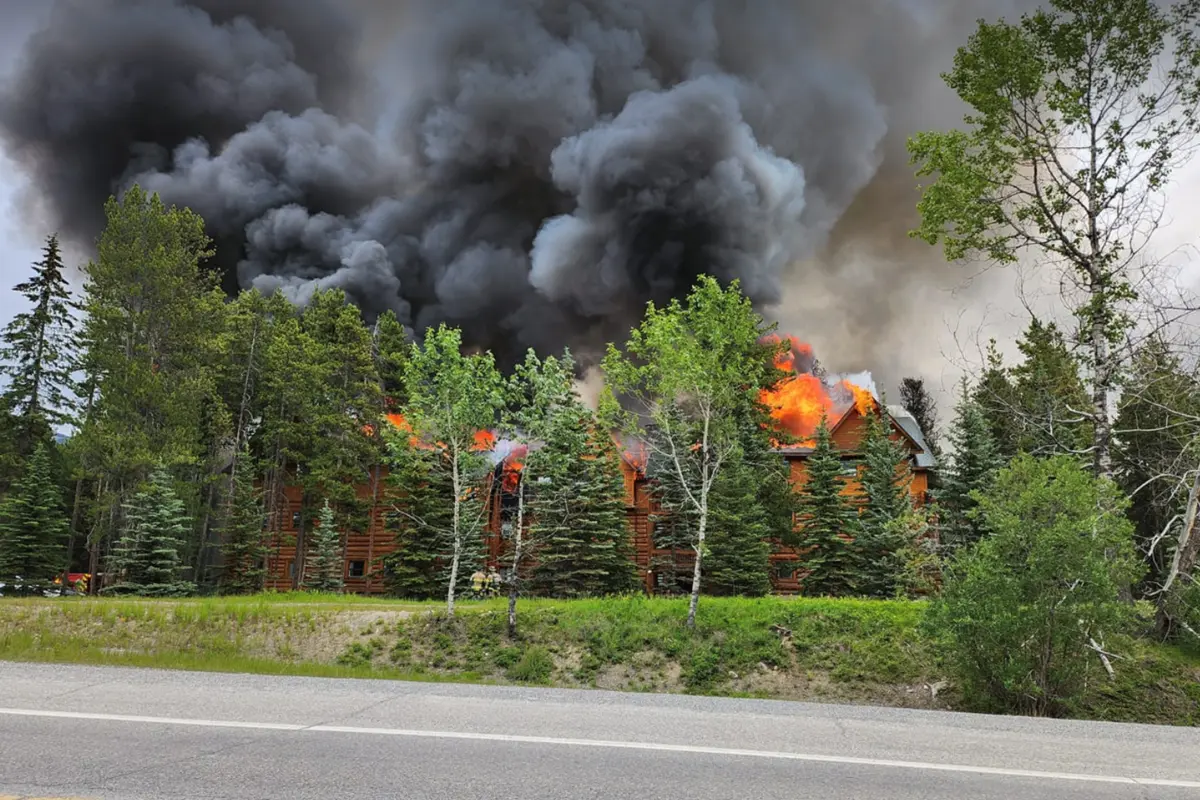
(688, 374)
(452, 398)
(1079, 114)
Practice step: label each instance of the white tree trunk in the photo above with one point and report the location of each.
(1102, 392)
(456, 533)
(701, 529)
(518, 543)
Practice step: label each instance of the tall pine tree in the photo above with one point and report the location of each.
(826, 544)
(917, 400)
(245, 545)
(145, 560)
(33, 526)
(886, 502)
(38, 353)
(325, 566)
(972, 468)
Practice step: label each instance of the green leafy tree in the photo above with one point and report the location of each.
(391, 347)
(971, 470)
(1025, 610)
(1078, 114)
(829, 554)
(145, 560)
(886, 481)
(451, 398)
(38, 353)
(33, 526)
(325, 568)
(245, 545)
(693, 371)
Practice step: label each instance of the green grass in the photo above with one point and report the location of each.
(860, 651)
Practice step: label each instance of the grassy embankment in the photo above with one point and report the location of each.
(811, 649)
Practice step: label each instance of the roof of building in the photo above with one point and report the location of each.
(907, 423)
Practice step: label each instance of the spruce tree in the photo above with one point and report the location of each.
(245, 546)
(324, 569)
(886, 501)
(1053, 402)
(972, 468)
(826, 542)
(38, 352)
(995, 398)
(739, 548)
(578, 517)
(33, 526)
(917, 400)
(145, 560)
(420, 521)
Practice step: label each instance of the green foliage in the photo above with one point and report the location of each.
(535, 665)
(324, 566)
(739, 542)
(1020, 608)
(1158, 422)
(33, 526)
(38, 352)
(886, 481)
(577, 533)
(451, 398)
(827, 524)
(972, 469)
(245, 545)
(145, 559)
(917, 400)
(391, 347)
(421, 521)
(694, 371)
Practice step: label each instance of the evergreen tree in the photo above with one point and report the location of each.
(33, 526)
(153, 343)
(324, 569)
(1052, 402)
(739, 546)
(995, 398)
(578, 516)
(38, 352)
(390, 347)
(887, 501)
(420, 521)
(145, 560)
(917, 400)
(972, 469)
(245, 546)
(826, 543)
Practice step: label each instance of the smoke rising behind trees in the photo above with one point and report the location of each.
(532, 172)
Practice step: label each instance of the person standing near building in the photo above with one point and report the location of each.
(478, 583)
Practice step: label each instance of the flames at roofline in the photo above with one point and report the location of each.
(798, 403)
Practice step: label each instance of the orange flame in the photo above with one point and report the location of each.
(801, 400)
(510, 476)
(484, 441)
(634, 454)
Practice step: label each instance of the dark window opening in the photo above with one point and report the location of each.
(356, 569)
(291, 568)
(296, 520)
(784, 570)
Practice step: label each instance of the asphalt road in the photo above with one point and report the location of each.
(123, 734)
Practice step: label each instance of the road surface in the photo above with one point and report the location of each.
(125, 734)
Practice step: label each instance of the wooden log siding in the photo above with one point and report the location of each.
(370, 546)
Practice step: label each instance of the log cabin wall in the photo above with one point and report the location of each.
(364, 549)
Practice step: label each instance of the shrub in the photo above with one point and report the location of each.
(536, 666)
(1021, 607)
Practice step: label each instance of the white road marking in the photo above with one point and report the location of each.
(653, 746)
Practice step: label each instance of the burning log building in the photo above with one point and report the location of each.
(798, 403)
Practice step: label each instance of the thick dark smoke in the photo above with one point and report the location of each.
(531, 170)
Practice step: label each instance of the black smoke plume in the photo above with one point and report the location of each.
(531, 170)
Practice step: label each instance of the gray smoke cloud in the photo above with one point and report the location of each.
(532, 171)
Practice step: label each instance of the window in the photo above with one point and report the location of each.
(850, 470)
(291, 568)
(356, 569)
(296, 520)
(784, 570)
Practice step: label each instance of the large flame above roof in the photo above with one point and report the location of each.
(802, 398)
